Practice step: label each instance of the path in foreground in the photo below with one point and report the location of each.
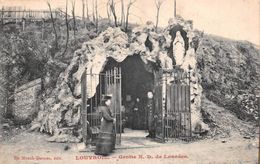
(33, 148)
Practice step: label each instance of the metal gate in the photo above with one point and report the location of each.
(113, 87)
(172, 103)
(93, 88)
(159, 109)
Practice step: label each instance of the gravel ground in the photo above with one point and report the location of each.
(135, 148)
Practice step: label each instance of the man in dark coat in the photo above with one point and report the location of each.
(150, 115)
(129, 105)
(136, 115)
(106, 139)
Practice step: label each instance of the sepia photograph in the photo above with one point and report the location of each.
(129, 81)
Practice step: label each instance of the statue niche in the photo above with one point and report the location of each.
(178, 48)
(181, 43)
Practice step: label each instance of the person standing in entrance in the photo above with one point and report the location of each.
(136, 115)
(150, 115)
(106, 139)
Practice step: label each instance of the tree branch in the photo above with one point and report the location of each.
(53, 25)
(128, 12)
(158, 4)
(67, 29)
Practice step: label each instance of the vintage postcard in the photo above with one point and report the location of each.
(129, 81)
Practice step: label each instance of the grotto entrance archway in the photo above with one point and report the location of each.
(171, 90)
(137, 79)
(126, 81)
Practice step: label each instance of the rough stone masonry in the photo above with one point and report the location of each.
(60, 113)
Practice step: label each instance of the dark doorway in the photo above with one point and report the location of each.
(136, 82)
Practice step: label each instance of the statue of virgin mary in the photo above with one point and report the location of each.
(178, 48)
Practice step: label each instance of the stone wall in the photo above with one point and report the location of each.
(26, 104)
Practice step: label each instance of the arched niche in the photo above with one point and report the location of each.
(172, 33)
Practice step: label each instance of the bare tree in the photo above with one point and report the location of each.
(108, 11)
(93, 11)
(96, 9)
(175, 10)
(2, 18)
(122, 13)
(53, 25)
(158, 4)
(112, 5)
(43, 27)
(73, 17)
(83, 11)
(87, 10)
(131, 2)
(67, 28)
(95, 14)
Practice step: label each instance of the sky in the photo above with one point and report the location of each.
(234, 19)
